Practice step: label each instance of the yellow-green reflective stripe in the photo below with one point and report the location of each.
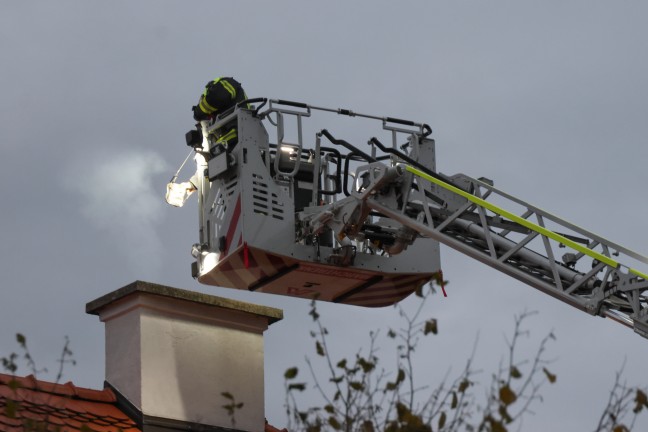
(205, 107)
(207, 86)
(537, 228)
(229, 88)
(214, 82)
(228, 136)
(638, 273)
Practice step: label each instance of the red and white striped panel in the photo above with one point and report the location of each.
(234, 234)
(388, 291)
(250, 268)
(244, 267)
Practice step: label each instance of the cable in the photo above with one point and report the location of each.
(175, 177)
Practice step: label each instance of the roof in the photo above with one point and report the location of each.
(269, 428)
(29, 404)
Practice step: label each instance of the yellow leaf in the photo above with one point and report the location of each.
(463, 386)
(641, 401)
(515, 372)
(332, 421)
(507, 396)
(430, 327)
(401, 376)
(291, 373)
(442, 420)
(506, 417)
(551, 377)
(368, 426)
(356, 385)
(455, 401)
(319, 348)
(495, 426)
(297, 386)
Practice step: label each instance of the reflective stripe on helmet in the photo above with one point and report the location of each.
(205, 107)
(229, 87)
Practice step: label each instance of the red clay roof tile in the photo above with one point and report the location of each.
(270, 428)
(10, 422)
(63, 406)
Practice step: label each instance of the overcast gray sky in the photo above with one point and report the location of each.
(549, 99)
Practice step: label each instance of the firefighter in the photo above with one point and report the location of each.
(219, 96)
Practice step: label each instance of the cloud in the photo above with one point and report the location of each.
(119, 197)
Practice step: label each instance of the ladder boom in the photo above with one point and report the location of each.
(589, 276)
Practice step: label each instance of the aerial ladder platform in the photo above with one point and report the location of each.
(315, 216)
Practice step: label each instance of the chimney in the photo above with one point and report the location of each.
(172, 353)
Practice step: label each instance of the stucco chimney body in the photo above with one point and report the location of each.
(172, 354)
